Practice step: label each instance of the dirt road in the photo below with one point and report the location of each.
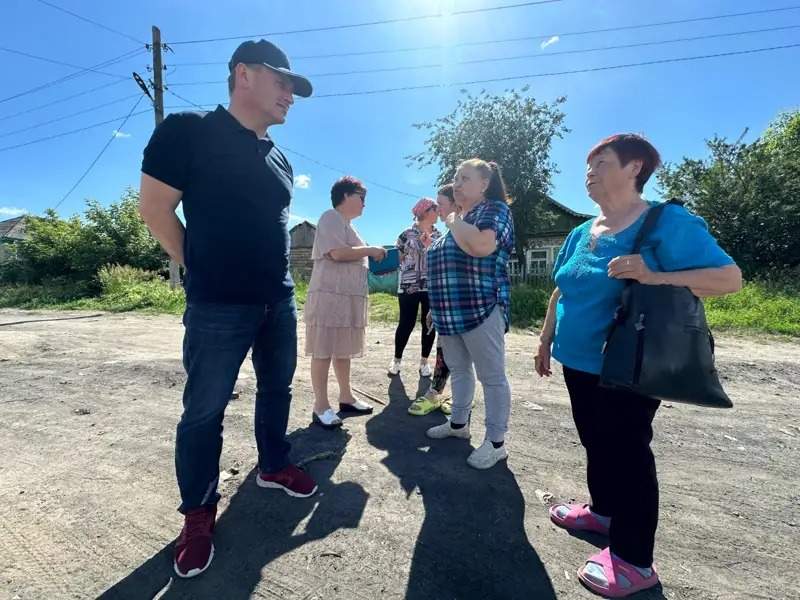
(88, 409)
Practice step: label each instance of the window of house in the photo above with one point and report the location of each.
(537, 262)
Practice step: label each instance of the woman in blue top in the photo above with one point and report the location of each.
(470, 301)
(615, 427)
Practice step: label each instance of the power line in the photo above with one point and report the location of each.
(94, 162)
(526, 38)
(555, 73)
(82, 71)
(75, 114)
(341, 171)
(61, 100)
(521, 56)
(58, 135)
(87, 20)
(305, 156)
(187, 106)
(563, 52)
(369, 23)
(182, 98)
(102, 151)
(72, 66)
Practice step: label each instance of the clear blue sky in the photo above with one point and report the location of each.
(676, 105)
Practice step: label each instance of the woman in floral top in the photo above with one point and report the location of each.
(412, 286)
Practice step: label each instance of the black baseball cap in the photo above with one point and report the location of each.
(268, 54)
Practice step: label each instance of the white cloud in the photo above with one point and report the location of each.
(12, 211)
(120, 134)
(553, 40)
(302, 181)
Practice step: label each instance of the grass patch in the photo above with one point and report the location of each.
(125, 289)
(55, 294)
(762, 307)
(384, 308)
(122, 289)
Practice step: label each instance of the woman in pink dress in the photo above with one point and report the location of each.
(336, 310)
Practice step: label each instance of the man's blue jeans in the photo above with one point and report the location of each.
(215, 343)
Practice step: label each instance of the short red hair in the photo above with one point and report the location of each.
(628, 147)
(346, 185)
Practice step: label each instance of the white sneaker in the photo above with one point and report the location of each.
(425, 370)
(444, 430)
(394, 366)
(486, 456)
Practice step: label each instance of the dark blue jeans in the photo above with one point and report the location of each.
(216, 342)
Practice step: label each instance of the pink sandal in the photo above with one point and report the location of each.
(578, 518)
(611, 568)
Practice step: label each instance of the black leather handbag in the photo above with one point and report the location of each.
(659, 344)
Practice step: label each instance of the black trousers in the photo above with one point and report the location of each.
(615, 428)
(409, 308)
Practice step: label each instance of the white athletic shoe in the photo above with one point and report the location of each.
(444, 430)
(486, 456)
(394, 366)
(425, 370)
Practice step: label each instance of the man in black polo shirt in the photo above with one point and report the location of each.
(235, 186)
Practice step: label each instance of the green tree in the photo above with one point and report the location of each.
(117, 235)
(748, 193)
(516, 132)
(50, 248)
(75, 248)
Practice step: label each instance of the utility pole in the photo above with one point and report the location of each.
(158, 104)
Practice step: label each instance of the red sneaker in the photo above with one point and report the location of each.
(194, 549)
(291, 479)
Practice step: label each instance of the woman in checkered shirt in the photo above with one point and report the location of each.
(470, 297)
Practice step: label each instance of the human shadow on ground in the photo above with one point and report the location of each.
(472, 543)
(258, 527)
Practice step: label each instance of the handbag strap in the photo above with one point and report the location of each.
(650, 222)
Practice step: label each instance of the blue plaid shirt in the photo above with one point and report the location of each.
(464, 289)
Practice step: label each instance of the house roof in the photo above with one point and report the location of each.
(308, 223)
(568, 210)
(13, 228)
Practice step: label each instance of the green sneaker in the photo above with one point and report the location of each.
(447, 405)
(425, 404)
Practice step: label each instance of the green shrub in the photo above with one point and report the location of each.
(529, 303)
(114, 279)
(154, 295)
(300, 292)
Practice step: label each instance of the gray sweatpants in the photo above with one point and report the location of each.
(484, 347)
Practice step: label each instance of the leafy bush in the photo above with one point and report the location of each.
(749, 194)
(76, 248)
(115, 279)
(529, 303)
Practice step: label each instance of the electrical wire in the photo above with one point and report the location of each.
(367, 23)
